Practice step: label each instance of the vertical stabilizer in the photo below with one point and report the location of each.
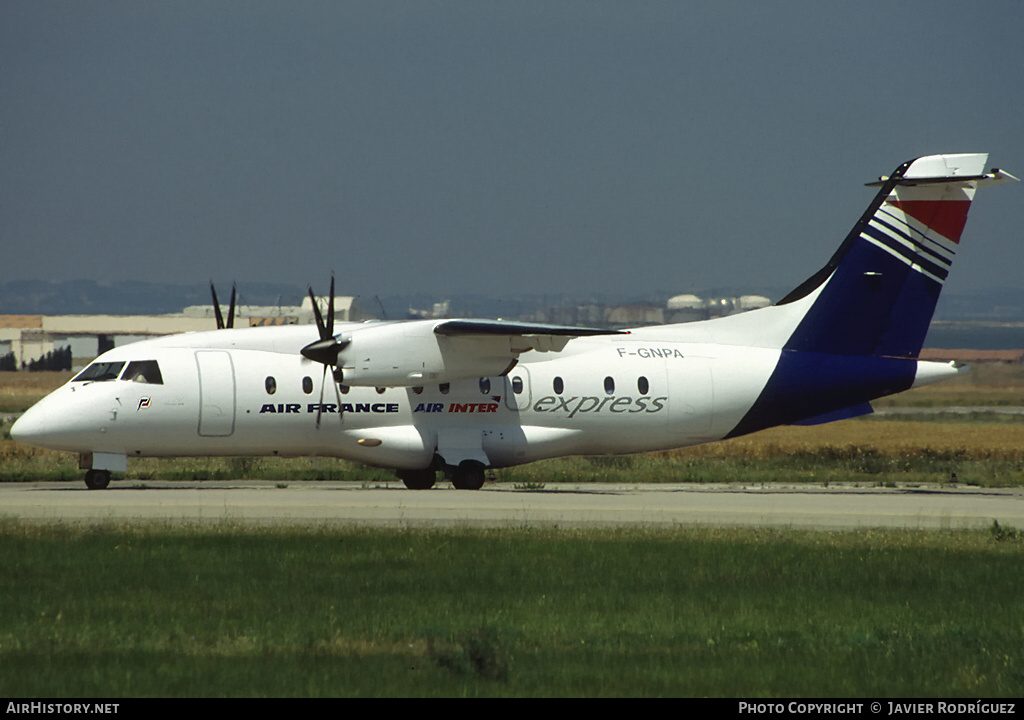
(879, 291)
(865, 314)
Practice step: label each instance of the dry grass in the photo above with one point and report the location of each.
(30, 383)
(987, 385)
(888, 438)
(20, 390)
(11, 451)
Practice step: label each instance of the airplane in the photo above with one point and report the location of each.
(461, 396)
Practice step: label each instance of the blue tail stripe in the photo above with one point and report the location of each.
(906, 253)
(921, 246)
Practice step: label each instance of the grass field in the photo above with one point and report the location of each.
(149, 611)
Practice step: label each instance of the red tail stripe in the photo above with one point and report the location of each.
(946, 217)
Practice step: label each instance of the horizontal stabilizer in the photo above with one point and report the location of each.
(947, 169)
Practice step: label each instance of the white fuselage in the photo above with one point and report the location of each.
(249, 392)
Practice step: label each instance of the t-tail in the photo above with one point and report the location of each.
(860, 322)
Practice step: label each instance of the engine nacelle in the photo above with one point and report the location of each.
(407, 354)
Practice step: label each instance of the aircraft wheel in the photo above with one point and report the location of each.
(97, 479)
(418, 479)
(469, 475)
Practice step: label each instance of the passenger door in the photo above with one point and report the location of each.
(216, 393)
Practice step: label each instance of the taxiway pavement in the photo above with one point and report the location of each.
(501, 505)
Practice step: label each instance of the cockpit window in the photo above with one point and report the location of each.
(143, 371)
(99, 371)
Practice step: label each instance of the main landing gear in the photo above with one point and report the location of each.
(418, 479)
(467, 475)
(97, 479)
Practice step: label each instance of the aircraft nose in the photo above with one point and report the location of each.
(31, 426)
(53, 423)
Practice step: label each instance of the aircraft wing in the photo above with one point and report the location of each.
(415, 352)
(521, 336)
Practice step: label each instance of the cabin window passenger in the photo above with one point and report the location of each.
(418, 389)
(307, 385)
(642, 385)
(485, 386)
(517, 385)
(444, 388)
(380, 390)
(344, 389)
(558, 385)
(143, 371)
(609, 385)
(271, 385)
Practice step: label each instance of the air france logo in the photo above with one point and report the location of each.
(143, 403)
(329, 408)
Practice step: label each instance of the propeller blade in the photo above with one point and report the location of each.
(325, 350)
(317, 316)
(330, 310)
(216, 306)
(320, 407)
(231, 308)
(337, 397)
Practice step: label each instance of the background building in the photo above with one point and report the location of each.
(30, 337)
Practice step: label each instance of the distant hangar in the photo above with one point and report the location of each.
(28, 337)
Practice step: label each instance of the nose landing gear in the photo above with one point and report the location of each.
(97, 479)
(99, 466)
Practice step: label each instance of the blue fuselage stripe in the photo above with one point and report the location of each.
(808, 384)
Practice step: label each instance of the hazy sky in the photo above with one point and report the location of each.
(489, 147)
